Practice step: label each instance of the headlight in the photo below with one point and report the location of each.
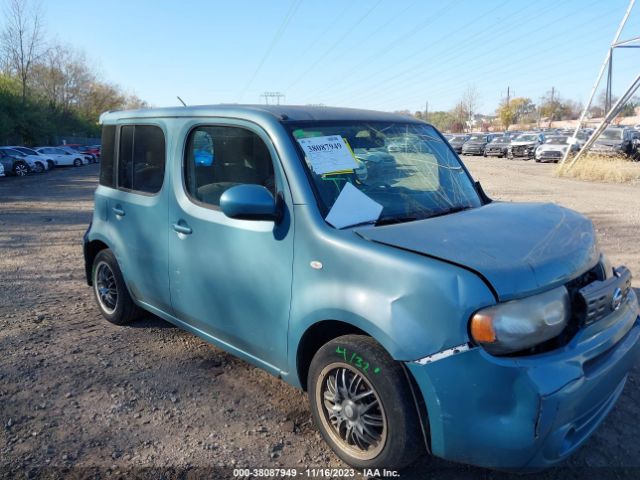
(520, 324)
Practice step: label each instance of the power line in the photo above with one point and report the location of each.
(380, 52)
(356, 83)
(526, 60)
(283, 26)
(451, 57)
(335, 44)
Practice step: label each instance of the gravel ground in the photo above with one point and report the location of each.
(82, 398)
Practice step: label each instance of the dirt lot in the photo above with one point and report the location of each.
(80, 397)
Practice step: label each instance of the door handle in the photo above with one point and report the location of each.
(118, 211)
(182, 229)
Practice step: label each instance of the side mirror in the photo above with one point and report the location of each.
(249, 202)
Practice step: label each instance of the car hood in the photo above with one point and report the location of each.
(517, 248)
(608, 143)
(475, 143)
(522, 143)
(553, 146)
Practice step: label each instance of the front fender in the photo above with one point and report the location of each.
(412, 305)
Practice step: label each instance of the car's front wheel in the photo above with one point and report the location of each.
(21, 169)
(51, 164)
(110, 290)
(362, 404)
(39, 168)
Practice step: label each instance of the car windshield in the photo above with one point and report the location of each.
(611, 134)
(477, 138)
(27, 151)
(407, 168)
(559, 140)
(501, 140)
(459, 139)
(14, 152)
(526, 138)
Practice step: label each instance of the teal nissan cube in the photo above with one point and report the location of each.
(351, 254)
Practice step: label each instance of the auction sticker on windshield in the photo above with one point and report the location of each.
(328, 154)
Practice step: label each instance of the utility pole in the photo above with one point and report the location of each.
(426, 111)
(612, 110)
(508, 95)
(276, 95)
(607, 99)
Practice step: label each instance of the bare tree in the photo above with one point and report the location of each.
(470, 100)
(22, 39)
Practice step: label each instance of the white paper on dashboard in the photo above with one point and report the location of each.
(328, 154)
(352, 207)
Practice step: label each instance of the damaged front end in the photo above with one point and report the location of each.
(529, 409)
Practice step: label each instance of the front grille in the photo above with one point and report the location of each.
(578, 312)
(550, 154)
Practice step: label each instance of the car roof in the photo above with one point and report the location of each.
(284, 113)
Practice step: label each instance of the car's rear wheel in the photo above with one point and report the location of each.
(111, 291)
(21, 169)
(39, 168)
(77, 162)
(362, 404)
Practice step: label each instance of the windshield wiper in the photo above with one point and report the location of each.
(392, 220)
(449, 210)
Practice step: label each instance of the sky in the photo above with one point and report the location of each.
(376, 54)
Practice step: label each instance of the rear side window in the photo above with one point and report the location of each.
(107, 177)
(141, 158)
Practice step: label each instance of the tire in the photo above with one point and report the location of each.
(77, 162)
(21, 169)
(393, 429)
(39, 168)
(110, 290)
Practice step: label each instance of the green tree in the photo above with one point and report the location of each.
(515, 111)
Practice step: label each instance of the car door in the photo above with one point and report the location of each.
(136, 211)
(230, 278)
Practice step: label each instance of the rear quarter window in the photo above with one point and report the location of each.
(107, 177)
(141, 158)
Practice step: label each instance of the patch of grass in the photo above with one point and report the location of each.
(600, 168)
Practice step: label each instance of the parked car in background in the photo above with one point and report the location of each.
(86, 157)
(62, 157)
(498, 147)
(1, 170)
(14, 165)
(554, 148)
(420, 316)
(84, 149)
(476, 143)
(615, 141)
(524, 145)
(457, 141)
(51, 163)
(36, 163)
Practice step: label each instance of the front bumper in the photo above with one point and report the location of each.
(495, 152)
(528, 413)
(522, 152)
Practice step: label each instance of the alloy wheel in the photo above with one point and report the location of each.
(105, 287)
(21, 169)
(352, 412)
